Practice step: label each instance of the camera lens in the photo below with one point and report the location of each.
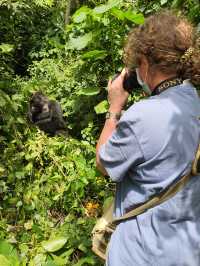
(130, 81)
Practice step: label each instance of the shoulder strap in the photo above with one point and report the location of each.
(155, 200)
(196, 163)
(166, 194)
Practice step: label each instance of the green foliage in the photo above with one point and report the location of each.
(50, 182)
(50, 190)
(102, 107)
(44, 2)
(6, 48)
(190, 8)
(54, 244)
(8, 255)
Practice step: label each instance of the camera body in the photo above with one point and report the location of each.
(130, 81)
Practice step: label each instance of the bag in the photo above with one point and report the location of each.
(102, 232)
(106, 225)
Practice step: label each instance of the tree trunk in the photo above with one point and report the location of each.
(68, 12)
(71, 6)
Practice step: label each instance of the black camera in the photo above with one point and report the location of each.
(130, 81)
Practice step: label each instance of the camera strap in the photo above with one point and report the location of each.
(164, 85)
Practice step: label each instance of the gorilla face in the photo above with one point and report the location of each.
(46, 114)
(39, 104)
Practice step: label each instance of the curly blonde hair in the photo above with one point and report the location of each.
(165, 40)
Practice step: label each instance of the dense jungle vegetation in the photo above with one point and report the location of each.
(50, 190)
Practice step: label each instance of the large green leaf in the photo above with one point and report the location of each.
(81, 14)
(5, 248)
(89, 91)
(95, 54)
(6, 48)
(104, 8)
(4, 261)
(81, 42)
(54, 244)
(10, 252)
(136, 18)
(39, 259)
(102, 107)
(67, 253)
(163, 2)
(118, 13)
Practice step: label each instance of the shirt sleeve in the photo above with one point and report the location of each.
(121, 152)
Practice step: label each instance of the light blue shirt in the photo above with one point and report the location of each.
(153, 146)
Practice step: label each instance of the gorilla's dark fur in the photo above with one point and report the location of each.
(46, 114)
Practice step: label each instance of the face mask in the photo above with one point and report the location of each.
(144, 86)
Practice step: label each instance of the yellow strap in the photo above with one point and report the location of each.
(156, 200)
(196, 163)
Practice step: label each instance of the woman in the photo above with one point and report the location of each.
(153, 145)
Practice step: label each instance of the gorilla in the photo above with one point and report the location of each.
(46, 114)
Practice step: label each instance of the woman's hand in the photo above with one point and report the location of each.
(117, 96)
